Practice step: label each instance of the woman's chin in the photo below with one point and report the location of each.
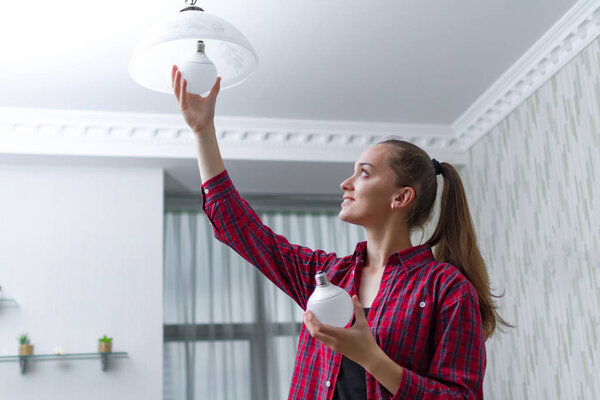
(347, 217)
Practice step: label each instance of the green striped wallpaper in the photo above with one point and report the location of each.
(534, 190)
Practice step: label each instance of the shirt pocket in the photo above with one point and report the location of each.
(405, 330)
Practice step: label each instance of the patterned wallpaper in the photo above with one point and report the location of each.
(534, 191)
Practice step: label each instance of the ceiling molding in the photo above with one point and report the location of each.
(92, 133)
(571, 34)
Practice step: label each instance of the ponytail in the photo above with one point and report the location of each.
(456, 243)
(454, 240)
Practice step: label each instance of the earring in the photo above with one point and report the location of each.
(393, 206)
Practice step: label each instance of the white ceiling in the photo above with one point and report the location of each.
(408, 61)
(401, 61)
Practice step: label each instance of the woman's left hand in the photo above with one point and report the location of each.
(356, 343)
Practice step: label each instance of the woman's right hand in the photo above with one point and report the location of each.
(198, 111)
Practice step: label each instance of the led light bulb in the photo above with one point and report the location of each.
(199, 72)
(330, 304)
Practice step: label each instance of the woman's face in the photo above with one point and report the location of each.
(370, 191)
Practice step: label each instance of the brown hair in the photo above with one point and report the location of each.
(454, 237)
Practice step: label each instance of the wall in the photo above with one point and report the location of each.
(534, 191)
(81, 252)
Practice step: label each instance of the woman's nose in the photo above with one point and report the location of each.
(347, 184)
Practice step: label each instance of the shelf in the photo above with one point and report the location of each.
(23, 360)
(4, 302)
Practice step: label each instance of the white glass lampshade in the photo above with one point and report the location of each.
(175, 40)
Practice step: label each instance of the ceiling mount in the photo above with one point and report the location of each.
(192, 6)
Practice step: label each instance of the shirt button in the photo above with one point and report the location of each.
(205, 191)
(422, 304)
(327, 383)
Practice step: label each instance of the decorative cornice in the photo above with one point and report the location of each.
(571, 34)
(69, 132)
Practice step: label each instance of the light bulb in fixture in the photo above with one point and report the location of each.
(199, 72)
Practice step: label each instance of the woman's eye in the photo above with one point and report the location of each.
(363, 173)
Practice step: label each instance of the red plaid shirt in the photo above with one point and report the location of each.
(425, 316)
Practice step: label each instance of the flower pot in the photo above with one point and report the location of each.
(104, 347)
(25, 350)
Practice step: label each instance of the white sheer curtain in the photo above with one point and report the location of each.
(229, 332)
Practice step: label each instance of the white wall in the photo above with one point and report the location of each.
(81, 252)
(533, 186)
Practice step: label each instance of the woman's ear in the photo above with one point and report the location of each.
(403, 197)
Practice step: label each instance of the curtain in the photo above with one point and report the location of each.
(229, 332)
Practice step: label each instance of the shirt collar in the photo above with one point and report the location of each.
(409, 259)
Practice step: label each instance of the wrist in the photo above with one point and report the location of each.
(205, 133)
(385, 370)
(377, 359)
(371, 362)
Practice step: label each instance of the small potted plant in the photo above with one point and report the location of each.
(25, 348)
(104, 345)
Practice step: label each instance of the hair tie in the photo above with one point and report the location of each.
(436, 166)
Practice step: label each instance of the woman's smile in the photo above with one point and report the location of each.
(347, 201)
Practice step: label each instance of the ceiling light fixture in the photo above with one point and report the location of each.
(201, 44)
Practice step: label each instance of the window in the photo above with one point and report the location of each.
(229, 332)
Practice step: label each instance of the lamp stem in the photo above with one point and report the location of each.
(191, 8)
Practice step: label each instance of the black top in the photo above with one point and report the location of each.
(351, 382)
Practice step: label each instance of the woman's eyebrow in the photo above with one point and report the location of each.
(366, 163)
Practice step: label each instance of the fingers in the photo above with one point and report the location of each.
(358, 307)
(216, 88)
(318, 330)
(317, 326)
(183, 100)
(177, 83)
(313, 323)
(359, 311)
(173, 72)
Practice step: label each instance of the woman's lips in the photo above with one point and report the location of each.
(347, 200)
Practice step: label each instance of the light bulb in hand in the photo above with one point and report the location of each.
(330, 304)
(199, 72)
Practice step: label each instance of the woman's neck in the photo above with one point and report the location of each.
(382, 242)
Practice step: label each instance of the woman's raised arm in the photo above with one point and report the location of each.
(199, 114)
(291, 267)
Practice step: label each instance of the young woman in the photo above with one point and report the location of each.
(420, 322)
